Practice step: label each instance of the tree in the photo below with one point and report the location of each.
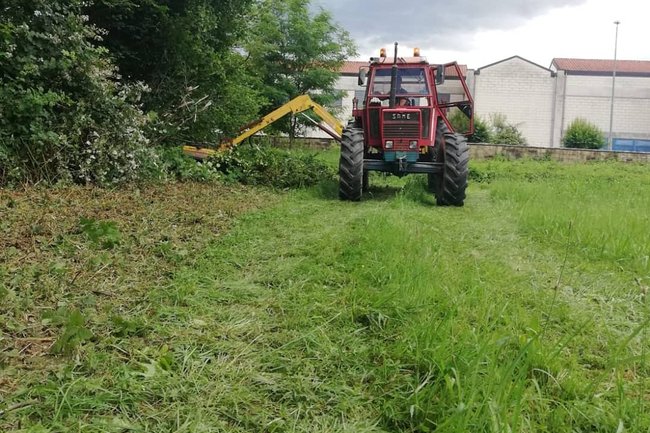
(185, 50)
(296, 52)
(583, 134)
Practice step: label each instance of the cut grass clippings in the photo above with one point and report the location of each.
(78, 265)
(389, 315)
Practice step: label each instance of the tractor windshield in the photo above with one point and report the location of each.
(410, 81)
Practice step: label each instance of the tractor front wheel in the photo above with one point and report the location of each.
(449, 185)
(351, 174)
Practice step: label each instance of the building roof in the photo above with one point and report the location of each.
(351, 67)
(600, 66)
(478, 71)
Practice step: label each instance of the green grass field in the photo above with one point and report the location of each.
(222, 309)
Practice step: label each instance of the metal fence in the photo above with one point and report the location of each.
(629, 145)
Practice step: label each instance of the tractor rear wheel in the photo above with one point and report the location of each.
(449, 185)
(351, 165)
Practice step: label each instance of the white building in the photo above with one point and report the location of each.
(585, 87)
(521, 90)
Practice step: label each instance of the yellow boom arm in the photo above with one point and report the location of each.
(297, 105)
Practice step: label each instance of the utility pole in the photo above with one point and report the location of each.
(610, 143)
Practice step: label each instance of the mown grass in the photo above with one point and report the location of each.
(387, 315)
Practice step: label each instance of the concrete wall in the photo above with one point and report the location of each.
(589, 97)
(523, 92)
(487, 151)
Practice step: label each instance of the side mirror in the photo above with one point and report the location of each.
(440, 74)
(363, 75)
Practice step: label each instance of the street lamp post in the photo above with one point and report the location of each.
(610, 143)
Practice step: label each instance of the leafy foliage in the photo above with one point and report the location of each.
(127, 327)
(583, 134)
(505, 132)
(482, 132)
(64, 114)
(102, 233)
(185, 51)
(177, 166)
(296, 52)
(74, 329)
(264, 165)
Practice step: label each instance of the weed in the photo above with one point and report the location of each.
(74, 330)
(102, 233)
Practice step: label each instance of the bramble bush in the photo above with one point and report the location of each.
(261, 164)
(64, 114)
(583, 134)
(175, 165)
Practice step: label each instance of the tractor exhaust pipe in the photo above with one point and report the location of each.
(393, 80)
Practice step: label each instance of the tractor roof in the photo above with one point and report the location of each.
(400, 61)
(351, 67)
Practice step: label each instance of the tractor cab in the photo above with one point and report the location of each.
(402, 127)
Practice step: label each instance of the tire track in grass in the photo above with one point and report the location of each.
(393, 315)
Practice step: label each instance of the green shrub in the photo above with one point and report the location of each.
(64, 115)
(505, 132)
(255, 164)
(176, 165)
(482, 133)
(583, 134)
(460, 123)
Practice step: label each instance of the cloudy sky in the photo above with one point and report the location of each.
(480, 32)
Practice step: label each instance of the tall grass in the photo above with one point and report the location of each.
(603, 209)
(389, 315)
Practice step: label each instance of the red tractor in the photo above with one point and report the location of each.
(402, 127)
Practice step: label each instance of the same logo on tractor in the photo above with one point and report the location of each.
(401, 116)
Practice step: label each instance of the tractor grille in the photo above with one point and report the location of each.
(401, 130)
(401, 124)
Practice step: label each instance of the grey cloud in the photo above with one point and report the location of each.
(434, 23)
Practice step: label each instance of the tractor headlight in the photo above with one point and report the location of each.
(413, 144)
(389, 144)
